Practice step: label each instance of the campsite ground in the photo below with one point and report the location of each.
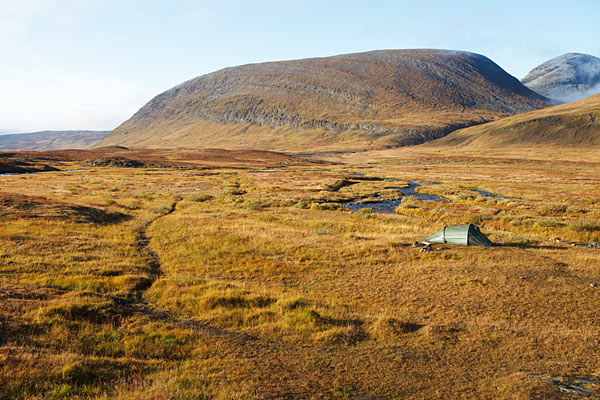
(246, 278)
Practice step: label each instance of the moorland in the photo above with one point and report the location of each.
(154, 274)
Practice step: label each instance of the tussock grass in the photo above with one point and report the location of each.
(259, 295)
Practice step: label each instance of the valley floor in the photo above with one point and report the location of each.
(250, 279)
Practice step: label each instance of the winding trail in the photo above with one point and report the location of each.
(142, 243)
(135, 303)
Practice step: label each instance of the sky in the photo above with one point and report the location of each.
(91, 64)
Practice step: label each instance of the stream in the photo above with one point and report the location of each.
(38, 173)
(24, 173)
(388, 206)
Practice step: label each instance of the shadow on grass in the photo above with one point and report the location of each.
(99, 216)
(533, 246)
(13, 207)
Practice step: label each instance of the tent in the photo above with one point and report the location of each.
(468, 235)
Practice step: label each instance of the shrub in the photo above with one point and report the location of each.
(550, 209)
(385, 327)
(292, 304)
(586, 226)
(104, 312)
(548, 224)
(521, 241)
(478, 219)
(577, 210)
(347, 335)
(409, 202)
(365, 213)
(201, 197)
(325, 206)
(162, 209)
(234, 300)
(307, 317)
(253, 204)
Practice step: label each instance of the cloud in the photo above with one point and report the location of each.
(15, 15)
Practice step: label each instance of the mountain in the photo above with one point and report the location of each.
(352, 101)
(50, 140)
(567, 125)
(569, 77)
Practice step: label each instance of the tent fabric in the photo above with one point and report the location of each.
(467, 235)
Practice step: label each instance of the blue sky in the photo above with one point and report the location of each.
(90, 64)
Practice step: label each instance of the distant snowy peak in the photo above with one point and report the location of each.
(570, 77)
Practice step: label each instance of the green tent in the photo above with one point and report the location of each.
(468, 235)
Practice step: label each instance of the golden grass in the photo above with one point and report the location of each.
(260, 295)
(571, 125)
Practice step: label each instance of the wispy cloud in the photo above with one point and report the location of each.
(15, 15)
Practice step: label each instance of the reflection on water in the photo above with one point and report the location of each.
(388, 206)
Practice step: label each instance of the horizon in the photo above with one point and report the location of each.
(91, 65)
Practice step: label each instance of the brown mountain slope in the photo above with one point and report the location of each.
(379, 98)
(574, 124)
(50, 140)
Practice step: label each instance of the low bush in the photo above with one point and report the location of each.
(200, 197)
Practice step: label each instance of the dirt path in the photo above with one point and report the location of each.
(142, 243)
(135, 302)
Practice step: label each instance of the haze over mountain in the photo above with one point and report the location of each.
(569, 77)
(373, 99)
(50, 140)
(575, 124)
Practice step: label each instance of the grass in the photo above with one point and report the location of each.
(266, 287)
(573, 125)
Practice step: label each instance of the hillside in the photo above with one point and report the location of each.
(569, 77)
(373, 99)
(50, 140)
(574, 124)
